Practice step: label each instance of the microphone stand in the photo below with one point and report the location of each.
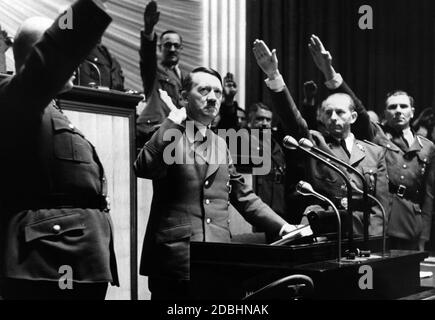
(309, 145)
(306, 189)
(291, 143)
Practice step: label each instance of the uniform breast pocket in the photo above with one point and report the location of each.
(69, 144)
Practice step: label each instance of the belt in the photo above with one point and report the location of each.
(59, 201)
(404, 192)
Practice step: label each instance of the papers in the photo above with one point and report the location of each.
(301, 231)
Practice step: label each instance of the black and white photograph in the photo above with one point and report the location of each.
(215, 157)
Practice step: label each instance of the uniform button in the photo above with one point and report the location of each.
(343, 187)
(388, 145)
(370, 171)
(208, 220)
(228, 202)
(56, 228)
(402, 177)
(104, 179)
(206, 183)
(229, 221)
(405, 166)
(95, 59)
(71, 126)
(207, 201)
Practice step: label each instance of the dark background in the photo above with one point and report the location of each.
(397, 53)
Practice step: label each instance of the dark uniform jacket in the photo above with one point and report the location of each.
(155, 76)
(101, 68)
(367, 158)
(191, 200)
(52, 182)
(410, 191)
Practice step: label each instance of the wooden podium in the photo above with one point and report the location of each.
(108, 120)
(231, 271)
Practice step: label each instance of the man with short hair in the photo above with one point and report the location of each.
(408, 157)
(165, 75)
(270, 187)
(337, 114)
(192, 194)
(55, 220)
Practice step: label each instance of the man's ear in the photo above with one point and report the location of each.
(160, 47)
(354, 116)
(413, 112)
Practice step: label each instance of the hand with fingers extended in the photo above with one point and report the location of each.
(322, 58)
(310, 90)
(176, 115)
(266, 59)
(150, 17)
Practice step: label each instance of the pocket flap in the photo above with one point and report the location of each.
(174, 233)
(53, 226)
(369, 170)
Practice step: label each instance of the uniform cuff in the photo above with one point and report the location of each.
(276, 85)
(335, 82)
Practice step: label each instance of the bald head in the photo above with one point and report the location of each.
(30, 31)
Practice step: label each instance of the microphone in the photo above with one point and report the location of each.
(305, 189)
(305, 143)
(290, 143)
(97, 70)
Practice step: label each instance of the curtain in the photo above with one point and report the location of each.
(397, 53)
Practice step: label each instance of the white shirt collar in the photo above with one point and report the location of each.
(409, 136)
(350, 141)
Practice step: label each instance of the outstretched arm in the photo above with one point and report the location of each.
(363, 128)
(148, 45)
(52, 61)
(283, 104)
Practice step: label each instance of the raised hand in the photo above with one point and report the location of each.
(177, 115)
(150, 16)
(322, 58)
(266, 59)
(310, 90)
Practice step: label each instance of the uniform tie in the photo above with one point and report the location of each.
(344, 146)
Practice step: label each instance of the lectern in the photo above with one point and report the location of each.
(232, 271)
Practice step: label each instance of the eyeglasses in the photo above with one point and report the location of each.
(168, 45)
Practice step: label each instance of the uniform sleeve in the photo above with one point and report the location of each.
(382, 194)
(250, 206)
(53, 60)
(148, 63)
(158, 152)
(288, 114)
(427, 207)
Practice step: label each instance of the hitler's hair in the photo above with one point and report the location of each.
(187, 82)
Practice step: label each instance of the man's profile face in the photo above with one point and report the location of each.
(261, 119)
(204, 98)
(170, 47)
(337, 116)
(398, 112)
(241, 118)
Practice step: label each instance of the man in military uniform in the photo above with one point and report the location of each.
(191, 198)
(165, 75)
(270, 187)
(407, 155)
(337, 115)
(54, 216)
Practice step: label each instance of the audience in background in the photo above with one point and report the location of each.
(165, 74)
(424, 125)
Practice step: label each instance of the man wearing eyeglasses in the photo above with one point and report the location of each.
(165, 75)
